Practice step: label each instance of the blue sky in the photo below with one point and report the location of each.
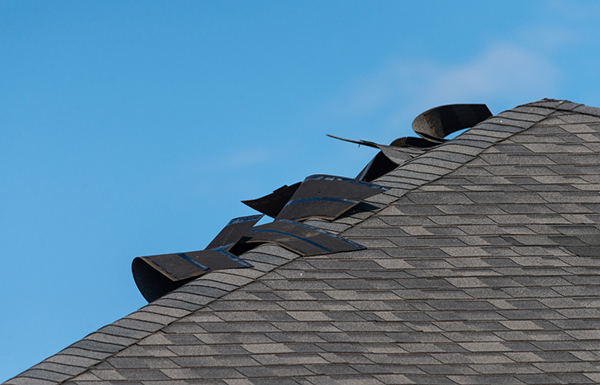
(134, 128)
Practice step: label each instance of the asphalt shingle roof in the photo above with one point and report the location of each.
(481, 267)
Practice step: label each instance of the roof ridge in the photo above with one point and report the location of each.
(459, 151)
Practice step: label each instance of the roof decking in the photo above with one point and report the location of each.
(481, 267)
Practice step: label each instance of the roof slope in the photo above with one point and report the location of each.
(481, 267)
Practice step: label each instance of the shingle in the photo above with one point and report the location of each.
(111, 339)
(494, 126)
(578, 118)
(72, 351)
(169, 311)
(574, 378)
(97, 346)
(45, 375)
(122, 332)
(169, 302)
(235, 337)
(545, 379)
(535, 108)
(23, 379)
(587, 110)
(431, 380)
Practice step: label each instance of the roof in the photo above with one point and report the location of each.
(480, 266)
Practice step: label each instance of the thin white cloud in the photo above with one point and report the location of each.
(549, 39)
(503, 74)
(576, 10)
(244, 158)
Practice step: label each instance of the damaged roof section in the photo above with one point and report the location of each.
(317, 197)
(432, 125)
(272, 204)
(300, 238)
(157, 275)
(437, 123)
(326, 196)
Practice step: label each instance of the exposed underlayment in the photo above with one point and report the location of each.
(481, 266)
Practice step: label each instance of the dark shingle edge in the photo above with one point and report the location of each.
(95, 348)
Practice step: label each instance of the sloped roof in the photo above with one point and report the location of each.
(481, 266)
